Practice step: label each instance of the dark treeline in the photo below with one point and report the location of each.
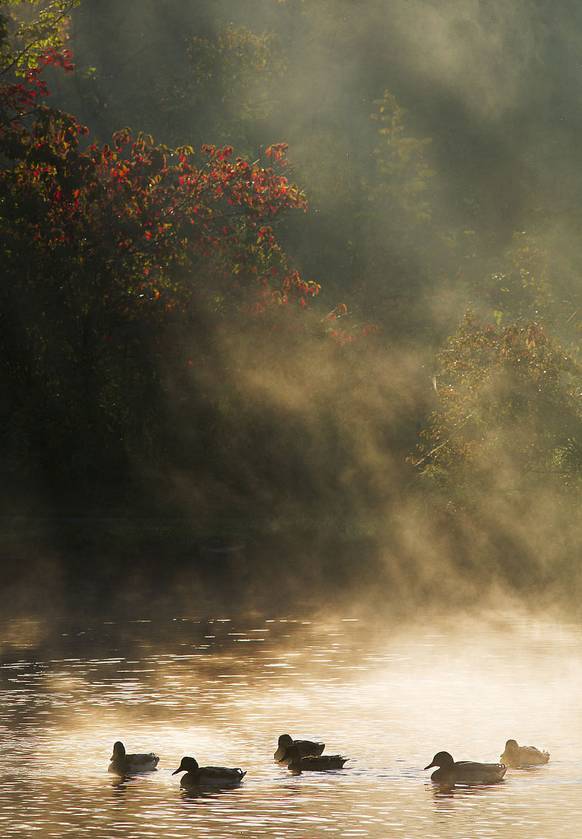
(291, 288)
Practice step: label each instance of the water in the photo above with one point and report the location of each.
(223, 690)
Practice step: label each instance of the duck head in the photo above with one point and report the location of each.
(118, 751)
(285, 741)
(511, 746)
(443, 760)
(188, 764)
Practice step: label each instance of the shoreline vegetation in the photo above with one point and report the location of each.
(278, 327)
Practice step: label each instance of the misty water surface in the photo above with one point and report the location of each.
(223, 689)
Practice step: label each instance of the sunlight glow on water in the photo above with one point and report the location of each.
(223, 690)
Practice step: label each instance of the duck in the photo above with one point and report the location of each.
(124, 764)
(199, 776)
(518, 757)
(306, 747)
(297, 762)
(467, 772)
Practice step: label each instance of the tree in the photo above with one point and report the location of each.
(508, 412)
(403, 175)
(107, 247)
(29, 29)
(230, 82)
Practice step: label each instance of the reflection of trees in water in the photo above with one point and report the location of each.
(151, 664)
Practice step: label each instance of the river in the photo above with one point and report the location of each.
(222, 688)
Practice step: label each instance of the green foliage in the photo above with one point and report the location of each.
(508, 411)
(403, 173)
(29, 29)
(231, 78)
(398, 234)
(238, 65)
(523, 290)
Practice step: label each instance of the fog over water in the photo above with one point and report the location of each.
(224, 689)
(353, 518)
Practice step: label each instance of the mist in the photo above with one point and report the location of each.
(378, 450)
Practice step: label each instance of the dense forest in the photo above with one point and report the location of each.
(291, 287)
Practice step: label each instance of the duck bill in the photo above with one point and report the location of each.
(176, 772)
(430, 766)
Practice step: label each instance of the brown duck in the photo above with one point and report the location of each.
(465, 772)
(518, 757)
(306, 747)
(124, 764)
(312, 763)
(207, 776)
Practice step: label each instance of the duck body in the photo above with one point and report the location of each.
(124, 764)
(207, 776)
(306, 747)
(465, 772)
(297, 762)
(519, 757)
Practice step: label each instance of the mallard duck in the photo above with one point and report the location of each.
(520, 756)
(296, 762)
(200, 776)
(306, 747)
(465, 772)
(124, 764)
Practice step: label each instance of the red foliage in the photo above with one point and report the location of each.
(158, 224)
(347, 332)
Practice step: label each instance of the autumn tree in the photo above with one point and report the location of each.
(107, 249)
(29, 29)
(508, 412)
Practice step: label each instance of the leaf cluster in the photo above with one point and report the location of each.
(507, 397)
